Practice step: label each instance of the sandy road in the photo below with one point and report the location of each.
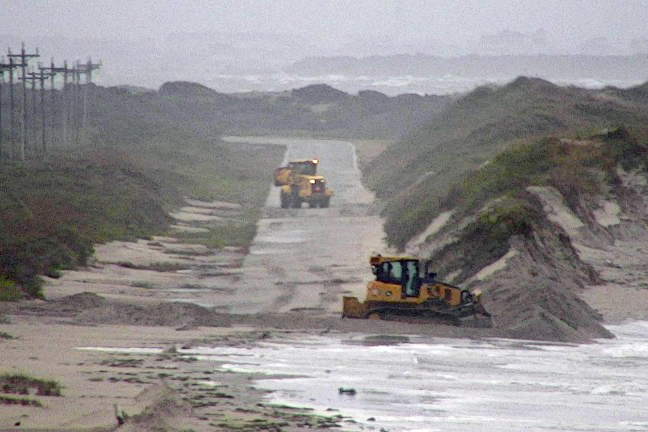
(309, 258)
(300, 258)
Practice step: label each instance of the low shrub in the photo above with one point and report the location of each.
(577, 169)
(9, 291)
(13, 400)
(24, 385)
(509, 217)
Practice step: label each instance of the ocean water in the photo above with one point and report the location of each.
(436, 384)
(432, 384)
(390, 85)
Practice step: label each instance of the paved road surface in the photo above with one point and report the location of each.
(309, 258)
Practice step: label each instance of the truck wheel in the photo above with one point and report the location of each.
(285, 201)
(325, 203)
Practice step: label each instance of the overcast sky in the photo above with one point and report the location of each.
(227, 44)
(332, 22)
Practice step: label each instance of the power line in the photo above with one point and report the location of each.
(24, 58)
(86, 68)
(51, 72)
(12, 137)
(66, 72)
(4, 67)
(42, 77)
(22, 139)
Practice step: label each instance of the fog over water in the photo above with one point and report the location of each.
(241, 45)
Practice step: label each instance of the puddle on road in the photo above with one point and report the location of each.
(122, 350)
(266, 251)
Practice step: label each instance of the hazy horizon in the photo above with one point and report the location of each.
(150, 41)
(337, 26)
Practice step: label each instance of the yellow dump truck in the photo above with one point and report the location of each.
(300, 183)
(404, 290)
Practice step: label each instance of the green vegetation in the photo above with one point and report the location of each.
(316, 110)
(142, 155)
(485, 240)
(144, 152)
(422, 174)
(25, 385)
(15, 400)
(53, 212)
(497, 193)
(156, 266)
(9, 291)
(239, 234)
(142, 284)
(574, 167)
(19, 384)
(506, 218)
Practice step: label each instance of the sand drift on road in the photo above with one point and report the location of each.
(308, 258)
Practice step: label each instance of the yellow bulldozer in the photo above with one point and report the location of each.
(405, 290)
(300, 184)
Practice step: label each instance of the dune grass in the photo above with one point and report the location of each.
(497, 196)
(52, 212)
(415, 175)
(25, 385)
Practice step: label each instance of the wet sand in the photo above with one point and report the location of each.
(300, 265)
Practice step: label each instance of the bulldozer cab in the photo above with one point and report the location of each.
(402, 271)
(405, 290)
(304, 167)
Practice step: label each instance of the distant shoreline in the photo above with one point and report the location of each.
(389, 85)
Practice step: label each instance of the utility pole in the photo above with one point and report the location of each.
(74, 89)
(50, 72)
(53, 71)
(2, 71)
(6, 67)
(12, 110)
(42, 77)
(30, 129)
(87, 69)
(3, 67)
(24, 58)
(66, 101)
(66, 72)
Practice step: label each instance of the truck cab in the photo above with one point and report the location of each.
(300, 183)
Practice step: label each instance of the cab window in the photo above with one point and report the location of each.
(382, 272)
(412, 283)
(305, 168)
(395, 272)
(389, 272)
